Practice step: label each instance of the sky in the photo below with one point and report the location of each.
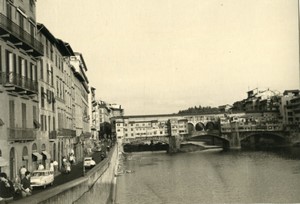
(162, 56)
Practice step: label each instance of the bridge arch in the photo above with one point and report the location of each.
(200, 127)
(225, 142)
(191, 128)
(210, 126)
(262, 138)
(262, 134)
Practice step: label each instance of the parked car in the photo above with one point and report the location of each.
(97, 149)
(88, 162)
(41, 178)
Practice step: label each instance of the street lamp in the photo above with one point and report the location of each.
(82, 143)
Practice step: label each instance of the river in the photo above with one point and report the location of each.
(210, 176)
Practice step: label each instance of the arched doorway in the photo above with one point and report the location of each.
(25, 157)
(12, 163)
(36, 157)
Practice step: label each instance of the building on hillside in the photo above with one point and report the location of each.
(262, 100)
(20, 49)
(225, 108)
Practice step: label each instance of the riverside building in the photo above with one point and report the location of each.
(20, 49)
(44, 88)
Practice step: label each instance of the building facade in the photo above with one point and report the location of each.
(131, 128)
(45, 89)
(20, 49)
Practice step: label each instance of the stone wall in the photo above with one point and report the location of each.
(95, 187)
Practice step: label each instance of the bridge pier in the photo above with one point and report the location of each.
(174, 136)
(234, 141)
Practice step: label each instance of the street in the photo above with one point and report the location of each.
(76, 172)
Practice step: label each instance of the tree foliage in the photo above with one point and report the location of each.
(105, 130)
(199, 110)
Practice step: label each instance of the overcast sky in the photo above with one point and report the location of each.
(162, 56)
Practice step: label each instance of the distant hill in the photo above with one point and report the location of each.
(199, 110)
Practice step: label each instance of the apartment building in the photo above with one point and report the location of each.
(80, 104)
(290, 109)
(95, 123)
(20, 49)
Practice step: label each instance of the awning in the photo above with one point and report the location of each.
(37, 155)
(3, 162)
(46, 154)
(25, 157)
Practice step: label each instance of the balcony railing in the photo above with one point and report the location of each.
(17, 80)
(8, 26)
(66, 133)
(53, 135)
(21, 134)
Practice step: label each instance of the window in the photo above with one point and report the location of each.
(11, 113)
(10, 62)
(47, 48)
(49, 122)
(31, 29)
(24, 115)
(42, 69)
(21, 20)
(42, 122)
(54, 123)
(42, 97)
(32, 5)
(48, 74)
(8, 10)
(51, 72)
(34, 113)
(45, 120)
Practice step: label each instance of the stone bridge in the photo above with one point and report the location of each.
(232, 139)
(230, 129)
(148, 140)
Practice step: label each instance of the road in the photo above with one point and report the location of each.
(76, 172)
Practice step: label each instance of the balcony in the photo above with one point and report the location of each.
(20, 37)
(66, 133)
(52, 135)
(18, 83)
(21, 134)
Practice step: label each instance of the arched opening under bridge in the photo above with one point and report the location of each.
(263, 140)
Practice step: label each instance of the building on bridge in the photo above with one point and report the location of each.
(149, 127)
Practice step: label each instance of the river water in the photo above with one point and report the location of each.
(210, 176)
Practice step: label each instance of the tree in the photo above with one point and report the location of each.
(105, 130)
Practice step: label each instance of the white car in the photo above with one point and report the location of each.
(41, 178)
(88, 162)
